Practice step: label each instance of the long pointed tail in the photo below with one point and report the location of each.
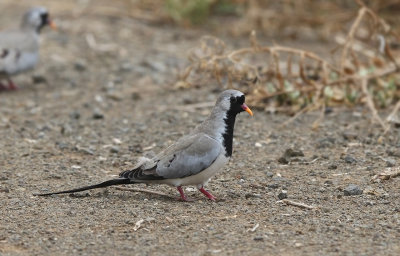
(100, 185)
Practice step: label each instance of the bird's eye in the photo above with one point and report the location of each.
(233, 99)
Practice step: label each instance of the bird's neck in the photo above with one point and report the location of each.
(220, 126)
(227, 136)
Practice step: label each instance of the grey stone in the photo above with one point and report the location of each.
(332, 167)
(80, 65)
(349, 159)
(114, 149)
(282, 195)
(75, 115)
(97, 114)
(273, 186)
(269, 174)
(325, 142)
(349, 135)
(39, 79)
(352, 190)
(390, 162)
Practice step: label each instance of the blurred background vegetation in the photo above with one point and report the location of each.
(268, 16)
(287, 55)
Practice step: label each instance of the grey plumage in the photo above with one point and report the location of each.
(199, 154)
(19, 48)
(195, 158)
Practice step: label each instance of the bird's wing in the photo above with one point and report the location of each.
(18, 52)
(9, 60)
(189, 156)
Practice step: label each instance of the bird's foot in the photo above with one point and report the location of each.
(207, 194)
(3, 87)
(12, 86)
(183, 197)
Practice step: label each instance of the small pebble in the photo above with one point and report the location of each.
(86, 151)
(332, 167)
(273, 186)
(97, 114)
(283, 160)
(293, 153)
(258, 145)
(4, 190)
(80, 65)
(135, 96)
(390, 162)
(61, 145)
(352, 190)
(114, 96)
(349, 135)
(251, 195)
(39, 79)
(325, 142)
(289, 153)
(282, 195)
(75, 115)
(114, 149)
(349, 159)
(393, 152)
(269, 174)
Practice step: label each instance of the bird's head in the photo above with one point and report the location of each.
(233, 101)
(36, 18)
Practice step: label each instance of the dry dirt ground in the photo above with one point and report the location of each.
(93, 110)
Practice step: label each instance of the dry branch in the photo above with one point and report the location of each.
(302, 79)
(301, 205)
(370, 103)
(389, 173)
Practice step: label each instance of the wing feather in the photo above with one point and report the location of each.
(189, 156)
(18, 51)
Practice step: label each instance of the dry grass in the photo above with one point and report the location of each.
(364, 69)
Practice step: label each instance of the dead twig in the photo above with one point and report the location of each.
(370, 103)
(389, 173)
(350, 36)
(301, 205)
(391, 117)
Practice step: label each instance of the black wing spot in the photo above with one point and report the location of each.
(171, 160)
(4, 53)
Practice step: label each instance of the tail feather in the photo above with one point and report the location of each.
(100, 185)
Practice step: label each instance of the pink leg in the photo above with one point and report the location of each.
(183, 196)
(207, 194)
(11, 85)
(3, 87)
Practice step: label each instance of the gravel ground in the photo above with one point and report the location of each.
(89, 112)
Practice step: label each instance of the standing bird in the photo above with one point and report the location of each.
(19, 49)
(194, 158)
